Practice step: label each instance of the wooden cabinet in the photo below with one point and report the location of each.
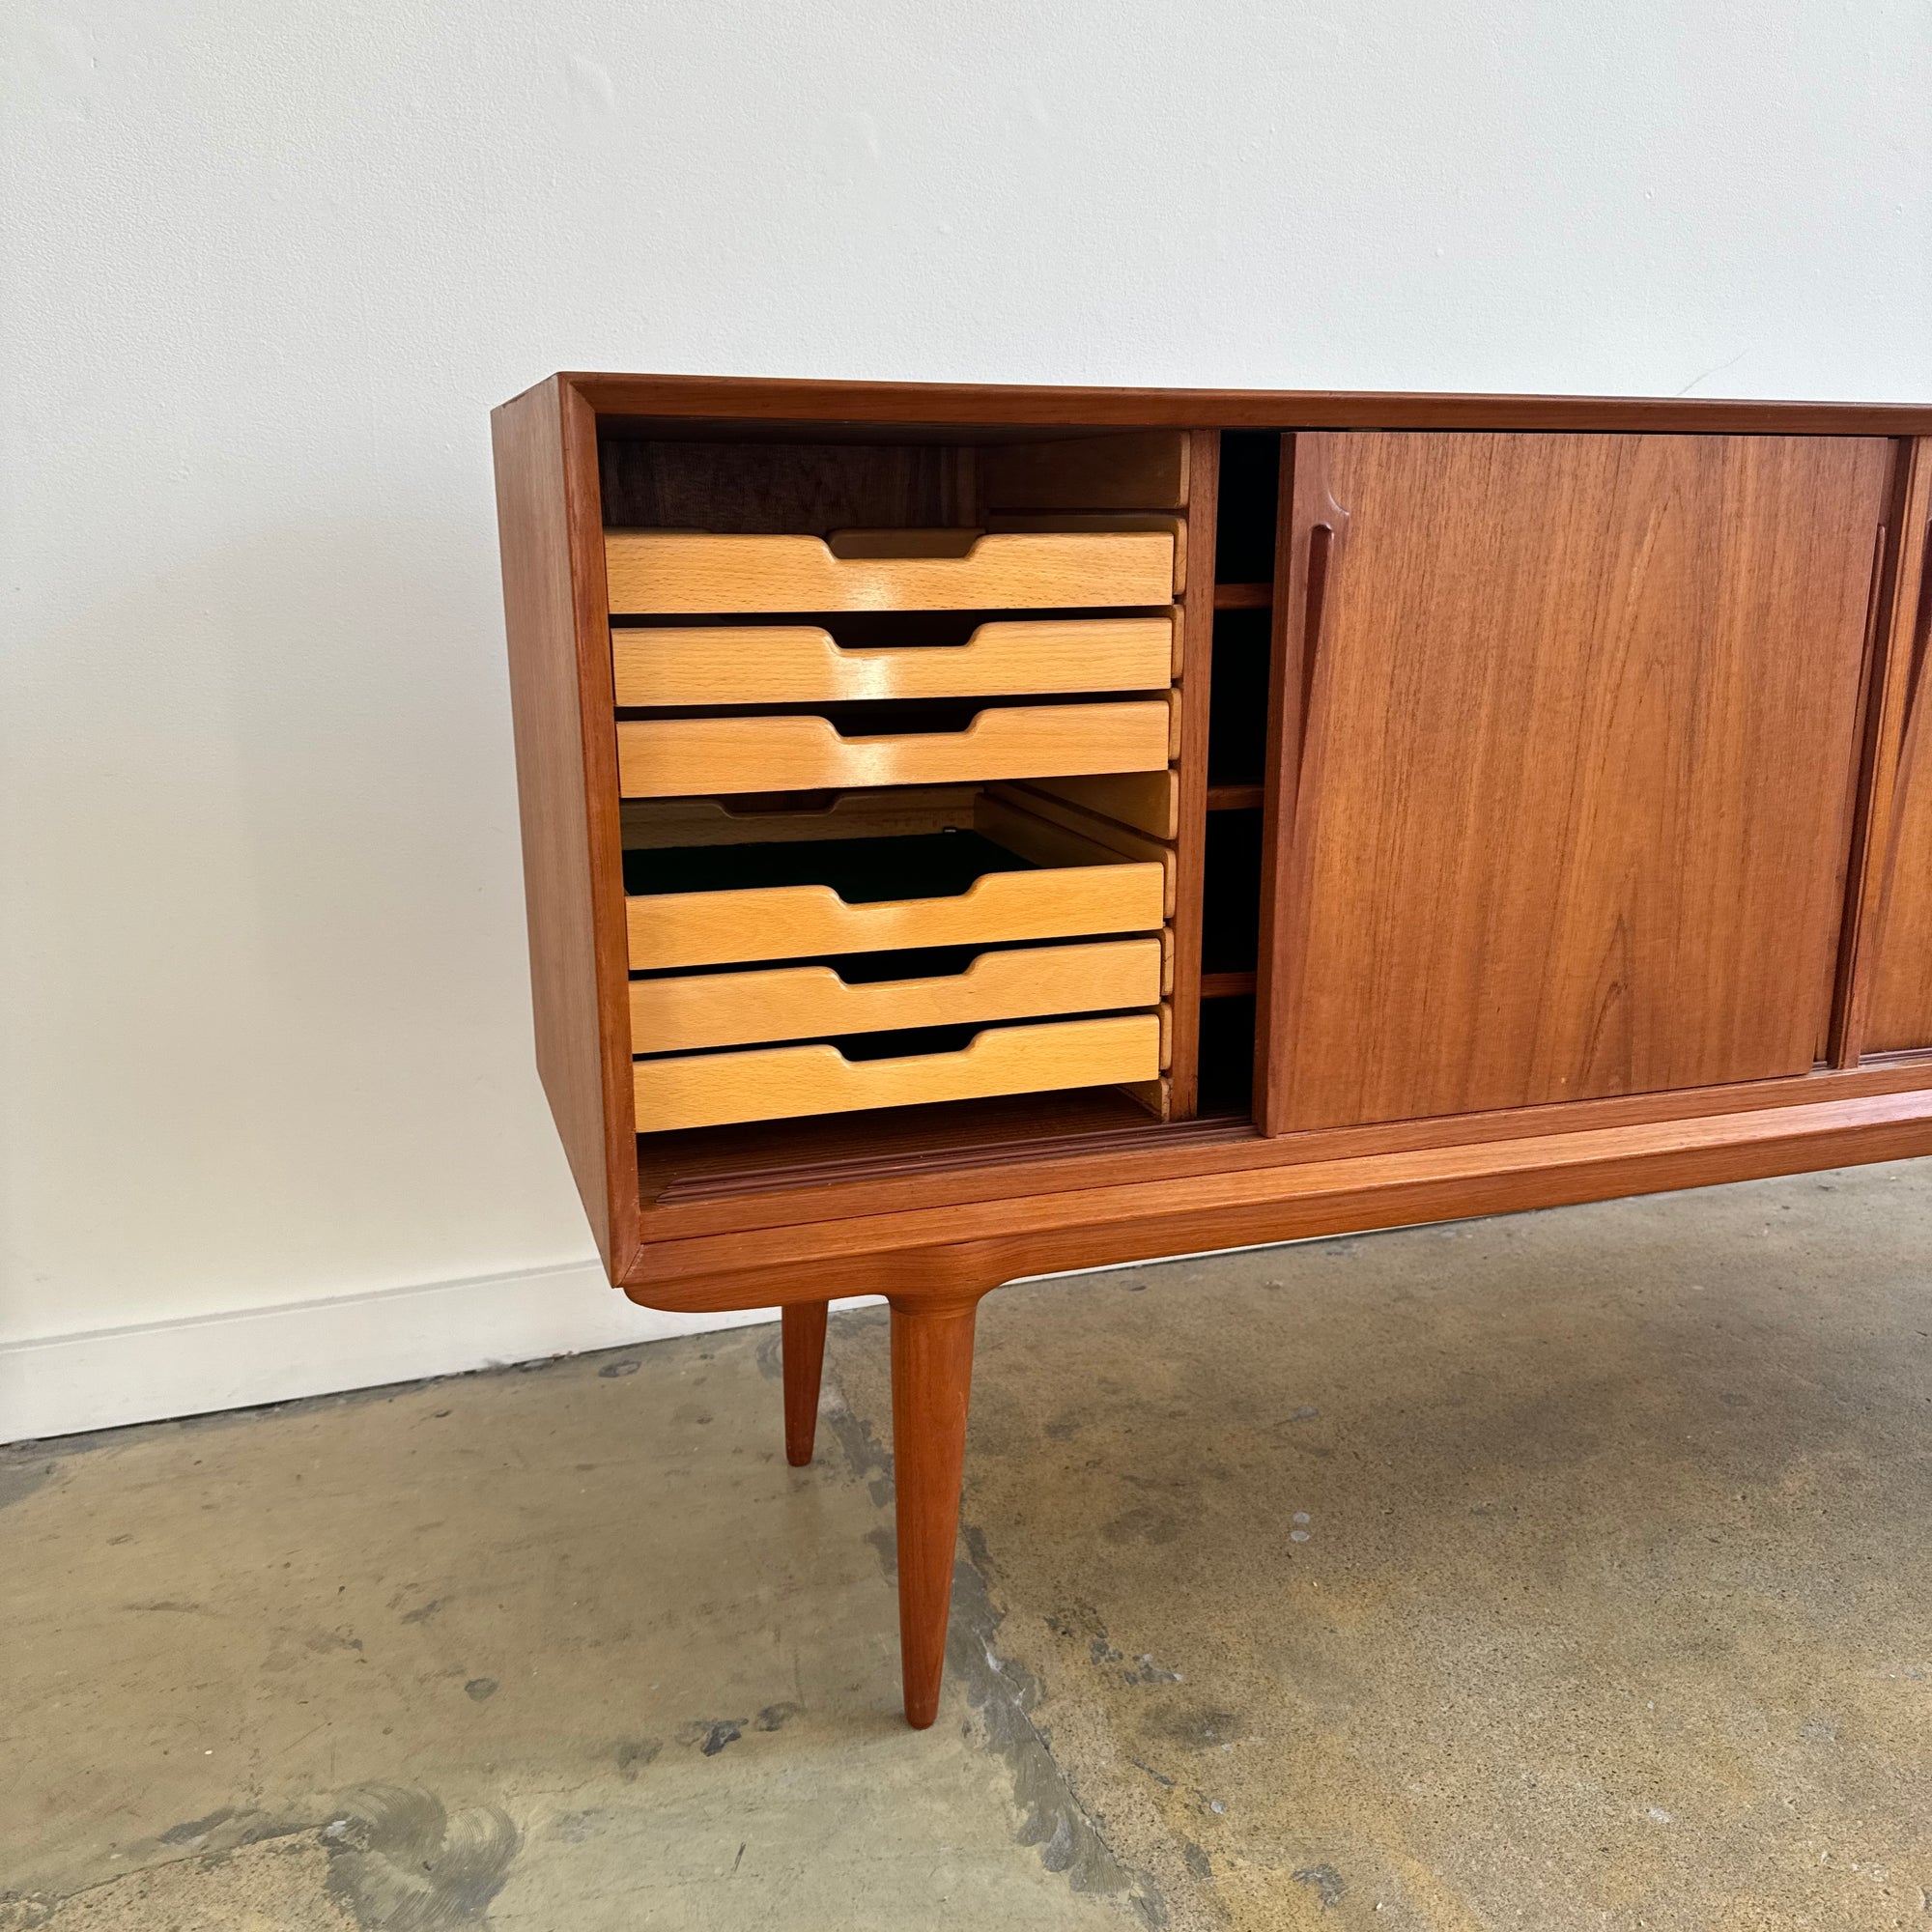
(974, 832)
(1569, 811)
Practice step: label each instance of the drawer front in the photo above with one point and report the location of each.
(722, 928)
(706, 1090)
(652, 573)
(682, 758)
(801, 664)
(706, 1009)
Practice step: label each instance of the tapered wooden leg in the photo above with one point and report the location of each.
(802, 1338)
(932, 1377)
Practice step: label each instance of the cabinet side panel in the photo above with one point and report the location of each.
(539, 620)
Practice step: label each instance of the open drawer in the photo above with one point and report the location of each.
(683, 1011)
(720, 904)
(805, 664)
(682, 758)
(652, 573)
(705, 1089)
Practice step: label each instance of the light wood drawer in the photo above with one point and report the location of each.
(674, 1015)
(705, 1089)
(659, 573)
(680, 757)
(719, 929)
(802, 664)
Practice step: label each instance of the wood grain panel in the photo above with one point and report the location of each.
(673, 757)
(773, 488)
(803, 664)
(1571, 815)
(701, 1090)
(1145, 471)
(566, 789)
(690, 1012)
(652, 573)
(1060, 902)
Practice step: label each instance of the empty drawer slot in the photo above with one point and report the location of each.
(704, 1090)
(683, 1011)
(664, 573)
(708, 906)
(807, 664)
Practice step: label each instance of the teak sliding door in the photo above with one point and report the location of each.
(1566, 737)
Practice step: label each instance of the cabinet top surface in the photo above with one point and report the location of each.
(760, 400)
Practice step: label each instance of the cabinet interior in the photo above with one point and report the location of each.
(1192, 805)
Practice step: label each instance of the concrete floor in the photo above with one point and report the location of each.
(1565, 1571)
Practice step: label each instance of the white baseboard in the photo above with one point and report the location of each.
(105, 1377)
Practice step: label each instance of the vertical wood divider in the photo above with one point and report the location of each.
(1289, 668)
(1197, 647)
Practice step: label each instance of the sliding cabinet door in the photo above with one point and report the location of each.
(1567, 738)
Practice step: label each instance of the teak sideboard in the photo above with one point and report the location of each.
(972, 833)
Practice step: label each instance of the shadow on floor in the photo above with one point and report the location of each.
(1559, 1571)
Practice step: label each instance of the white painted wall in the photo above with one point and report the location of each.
(266, 268)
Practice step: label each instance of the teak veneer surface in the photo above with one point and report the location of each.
(682, 758)
(770, 406)
(701, 1090)
(803, 664)
(686, 1011)
(652, 574)
(544, 443)
(1148, 471)
(1571, 813)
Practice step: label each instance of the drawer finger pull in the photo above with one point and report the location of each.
(682, 758)
(703, 1089)
(658, 573)
(710, 1009)
(803, 664)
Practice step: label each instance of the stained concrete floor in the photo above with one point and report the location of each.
(1563, 1571)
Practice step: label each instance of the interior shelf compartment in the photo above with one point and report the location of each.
(778, 1082)
(1014, 878)
(1237, 705)
(1231, 893)
(674, 758)
(658, 573)
(794, 664)
(880, 992)
(1227, 1050)
(1245, 524)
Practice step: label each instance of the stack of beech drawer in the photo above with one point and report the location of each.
(869, 874)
